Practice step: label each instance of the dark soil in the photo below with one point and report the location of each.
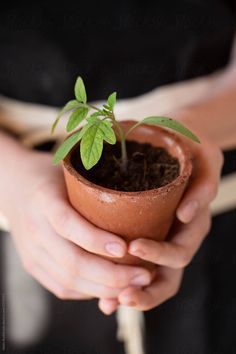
(149, 167)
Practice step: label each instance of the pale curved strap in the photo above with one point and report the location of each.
(131, 329)
(31, 120)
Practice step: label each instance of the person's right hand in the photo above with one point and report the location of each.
(57, 246)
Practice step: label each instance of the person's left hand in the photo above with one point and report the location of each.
(192, 225)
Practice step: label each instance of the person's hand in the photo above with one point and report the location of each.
(192, 225)
(54, 242)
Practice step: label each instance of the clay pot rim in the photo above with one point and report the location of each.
(185, 174)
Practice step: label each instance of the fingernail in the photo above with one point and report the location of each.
(115, 249)
(189, 211)
(141, 279)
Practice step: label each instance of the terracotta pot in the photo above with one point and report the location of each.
(132, 215)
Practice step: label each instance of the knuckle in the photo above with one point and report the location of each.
(173, 291)
(62, 293)
(66, 281)
(81, 297)
(212, 189)
(184, 260)
(170, 291)
(147, 307)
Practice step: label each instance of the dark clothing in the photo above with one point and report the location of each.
(132, 48)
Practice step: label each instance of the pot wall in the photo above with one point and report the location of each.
(147, 214)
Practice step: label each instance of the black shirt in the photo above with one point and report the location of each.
(129, 46)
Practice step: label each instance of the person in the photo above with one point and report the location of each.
(134, 49)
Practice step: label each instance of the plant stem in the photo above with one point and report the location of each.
(121, 133)
(124, 158)
(132, 128)
(93, 107)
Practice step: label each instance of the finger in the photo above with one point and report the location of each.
(72, 226)
(56, 281)
(68, 284)
(180, 249)
(165, 286)
(108, 306)
(204, 184)
(56, 288)
(78, 262)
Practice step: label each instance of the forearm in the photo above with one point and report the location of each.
(16, 163)
(9, 148)
(12, 154)
(214, 116)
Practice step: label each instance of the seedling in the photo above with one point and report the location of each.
(99, 127)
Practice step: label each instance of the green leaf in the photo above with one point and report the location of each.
(76, 118)
(91, 146)
(111, 101)
(108, 132)
(92, 141)
(108, 122)
(93, 120)
(80, 92)
(97, 114)
(65, 147)
(84, 129)
(69, 106)
(172, 124)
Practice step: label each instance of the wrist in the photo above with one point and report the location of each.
(21, 169)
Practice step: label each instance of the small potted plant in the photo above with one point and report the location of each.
(125, 177)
